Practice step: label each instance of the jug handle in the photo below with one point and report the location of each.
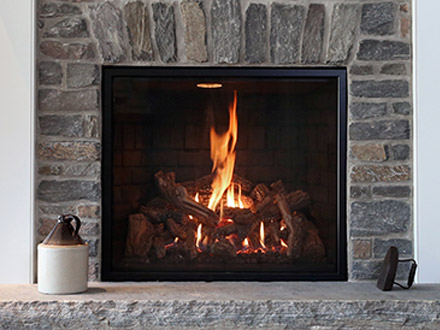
(77, 223)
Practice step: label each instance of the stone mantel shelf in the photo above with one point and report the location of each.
(175, 305)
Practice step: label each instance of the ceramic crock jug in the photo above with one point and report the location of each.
(63, 259)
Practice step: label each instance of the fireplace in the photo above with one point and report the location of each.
(224, 174)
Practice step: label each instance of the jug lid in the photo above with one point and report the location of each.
(63, 233)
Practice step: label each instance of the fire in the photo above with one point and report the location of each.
(283, 244)
(262, 235)
(199, 236)
(246, 243)
(223, 157)
(196, 198)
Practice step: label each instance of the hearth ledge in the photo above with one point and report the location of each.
(244, 305)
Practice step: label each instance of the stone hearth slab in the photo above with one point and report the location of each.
(223, 305)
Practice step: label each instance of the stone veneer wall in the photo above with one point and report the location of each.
(371, 38)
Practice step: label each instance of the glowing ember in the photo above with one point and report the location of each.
(173, 243)
(246, 243)
(191, 217)
(262, 235)
(196, 198)
(223, 157)
(283, 244)
(199, 237)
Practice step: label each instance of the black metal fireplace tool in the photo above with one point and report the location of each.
(388, 271)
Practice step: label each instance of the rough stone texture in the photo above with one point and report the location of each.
(400, 151)
(369, 152)
(367, 110)
(89, 211)
(235, 306)
(80, 151)
(69, 126)
(403, 245)
(108, 28)
(378, 50)
(376, 173)
(392, 191)
(194, 25)
(75, 27)
(69, 190)
(380, 130)
(379, 217)
(50, 73)
(138, 25)
(378, 18)
(226, 31)
(52, 10)
(313, 34)
(256, 33)
(402, 108)
(344, 25)
(285, 33)
(67, 51)
(82, 75)
(52, 100)
(93, 246)
(359, 192)
(361, 249)
(382, 88)
(361, 70)
(91, 127)
(405, 26)
(366, 269)
(165, 31)
(397, 69)
(71, 170)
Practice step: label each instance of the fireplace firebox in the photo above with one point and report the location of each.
(224, 173)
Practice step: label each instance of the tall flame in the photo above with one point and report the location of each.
(199, 236)
(223, 157)
(262, 235)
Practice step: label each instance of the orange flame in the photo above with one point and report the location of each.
(199, 236)
(262, 235)
(283, 244)
(196, 198)
(246, 243)
(223, 156)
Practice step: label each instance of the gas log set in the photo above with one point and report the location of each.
(223, 217)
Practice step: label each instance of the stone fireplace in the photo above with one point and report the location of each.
(370, 40)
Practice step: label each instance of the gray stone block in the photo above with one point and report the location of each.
(367, 110)
(396, 69)
(378, 18)
(75, 27)
(67, 51)
(392, 191)
(400, 151)
(383, 50)
(93, 246)
(68, 190)
(70, 126)
(82, 170)
(379, 218)
(361, 70)
(365, 269)
(50, 73)
(285, 33)
(82, 75)
(384, 173)
(226, 31)
(313, 34)
(91, 126)
(165, 31)
(343, 30)
(256, 33)
(52, 100)
(380, 88)
(359, 192)
(77, 151)
(52, 10)
(402, 108)
(138, 25)
(194, 27)
(380, 247)
(108, 28)
(380, 130)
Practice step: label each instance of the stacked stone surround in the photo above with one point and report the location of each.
(371, 38)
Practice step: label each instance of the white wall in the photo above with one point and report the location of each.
(16, 140)
(427, 126)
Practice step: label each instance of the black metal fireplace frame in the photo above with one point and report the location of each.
(111, 72)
